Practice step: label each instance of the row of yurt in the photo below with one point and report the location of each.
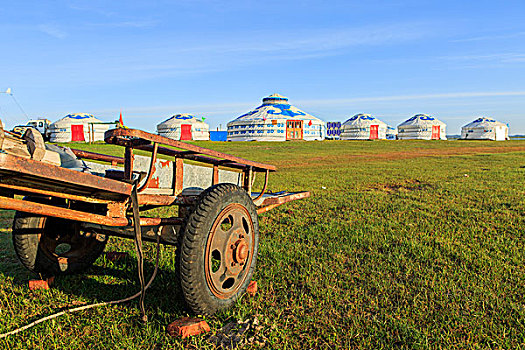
(78, 128)
(485, 129)
(184, 127)
(276, 120)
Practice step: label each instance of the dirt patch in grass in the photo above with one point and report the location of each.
(406, 186)
(415, 153)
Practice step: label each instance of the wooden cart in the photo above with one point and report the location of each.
(63, 223)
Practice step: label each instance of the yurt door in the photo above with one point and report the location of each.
(294, 129)
(77, 132)
(500, 133)
(185, 132)
(374, 130)
(436, 131)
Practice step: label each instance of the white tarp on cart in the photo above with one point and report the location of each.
(276, 120)
(422, 127)
(79, 127)
(184, 127)
(485, 129)
(363, 127)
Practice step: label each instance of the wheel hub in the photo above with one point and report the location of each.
(240, 252)
(229, 250)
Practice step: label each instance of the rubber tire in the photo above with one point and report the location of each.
(26, 241)
(196, 292)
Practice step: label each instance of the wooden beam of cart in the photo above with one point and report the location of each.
(76, 215)
(125, 137)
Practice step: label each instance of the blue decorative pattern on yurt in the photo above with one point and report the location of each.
(183, 117)
(79, 116)
(285, 110)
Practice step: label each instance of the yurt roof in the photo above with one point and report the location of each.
(78, 118)
(483, 122)
(363, 120)
(422, 119)
(391, 130)
(276, 107)
(184, 118)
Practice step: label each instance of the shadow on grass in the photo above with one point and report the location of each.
(105, 281)
(102, 283)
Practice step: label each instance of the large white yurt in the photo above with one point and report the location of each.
(78, 127)
(184, 127)
(422, 127)
(363, 127)
(276, 120)
(485, 129)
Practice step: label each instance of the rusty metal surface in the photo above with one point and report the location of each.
(124, 135)
(270, 201)
(168, 234)
(151, 169)
(129, 158)
(98, 156)
(22, 190)
(266, 177)
(248, 177)
(149, 199)
(76, 215)
(229, 251)
(34, 174)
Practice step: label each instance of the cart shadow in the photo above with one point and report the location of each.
(107, 283)
(102, 283)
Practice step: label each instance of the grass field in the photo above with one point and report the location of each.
(402, 244)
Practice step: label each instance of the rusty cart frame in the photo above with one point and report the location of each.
(217, 208)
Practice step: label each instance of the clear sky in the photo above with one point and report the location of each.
(454, 59)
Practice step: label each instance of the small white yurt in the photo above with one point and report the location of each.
(276, 120)
(485, 129)
(184, 127)
(391, 133)
(78, 127)
(422, 127)
(363, 127)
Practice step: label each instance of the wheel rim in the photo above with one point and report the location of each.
(64, 242)
(229, 251)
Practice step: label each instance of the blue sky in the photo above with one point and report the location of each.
(453, 59)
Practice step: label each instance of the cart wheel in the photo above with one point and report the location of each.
(218, 249)
(53, 246)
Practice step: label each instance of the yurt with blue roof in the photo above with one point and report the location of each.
(184, 127)
(78, 127)
(363, 127)
(391, 133)
(485, 129)
(276, 120)
(422, 127)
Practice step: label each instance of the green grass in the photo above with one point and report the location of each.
(402, 244)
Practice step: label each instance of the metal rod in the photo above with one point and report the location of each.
(75, 215)
(215, 176)
(128, 163)
(98, 156)
(151, 168)
(25, 190)
(266, 176)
